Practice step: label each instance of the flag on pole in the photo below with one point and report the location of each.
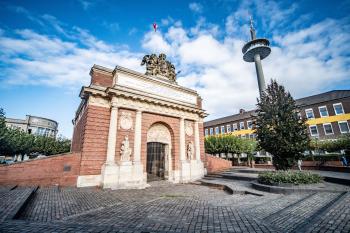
(155, 26)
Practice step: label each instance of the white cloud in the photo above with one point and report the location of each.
(155, 43)
(196, 7)
(37, 59)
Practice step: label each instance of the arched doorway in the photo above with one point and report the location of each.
(158, 164)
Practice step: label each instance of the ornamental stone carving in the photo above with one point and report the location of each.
(188, 128)
(159, 66)
(125, 150)
(159, 133)
(125, 121)
(190, 150)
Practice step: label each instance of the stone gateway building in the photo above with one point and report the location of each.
(131, 128)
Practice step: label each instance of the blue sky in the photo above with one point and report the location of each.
(48, 47)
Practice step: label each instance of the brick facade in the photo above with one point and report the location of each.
(94, 147)
(60, 170)
(215, 164)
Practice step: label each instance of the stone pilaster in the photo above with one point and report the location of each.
(110, 170)
(137, 143)
(112, 135)
(196, 141)
(182, 139)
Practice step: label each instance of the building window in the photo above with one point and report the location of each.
(241, 125)
(313, 130)
(217, 130)
(250, 124)
(338, 109)
(323, 111)
(234, 127)
(228, 128)
(343, 126)
(252, 136)
(309, 113)
(222, 129)
(243, 136)
(206, 132)
(328, 128)
(211, 131)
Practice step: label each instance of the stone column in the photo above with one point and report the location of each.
(197, 141)
(112, 134)
(137, 143)
(182, 140)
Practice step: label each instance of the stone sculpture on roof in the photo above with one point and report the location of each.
(158, 65)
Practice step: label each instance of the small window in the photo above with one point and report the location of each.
(243, 136)
(309, 113)
(222, 129)
(241, 125)
(206, 132)
(328, 128)
(338, 109)
(211, 131)
(217, 130)
(252, 136)
(234, 127)
(228, 128)
(250, 124)
(313, 130)
(343, 126)
(323, 111)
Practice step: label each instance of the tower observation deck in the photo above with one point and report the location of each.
(255, 51)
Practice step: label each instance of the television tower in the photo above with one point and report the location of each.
(255, 51)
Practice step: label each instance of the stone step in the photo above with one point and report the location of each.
(14, 201)
(291, 217)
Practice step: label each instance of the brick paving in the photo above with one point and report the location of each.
(166, 207)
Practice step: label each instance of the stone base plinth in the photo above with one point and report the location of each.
(123, 176)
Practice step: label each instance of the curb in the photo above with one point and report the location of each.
(288, 190)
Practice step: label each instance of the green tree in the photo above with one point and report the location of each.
(280, 131)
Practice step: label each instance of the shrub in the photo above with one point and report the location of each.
(288, 177)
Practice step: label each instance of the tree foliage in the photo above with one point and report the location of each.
(342, 143)
(229, 144)
(280, 130)
(16, 142)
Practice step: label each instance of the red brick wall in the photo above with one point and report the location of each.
(79, 129)
(121, 133)
(101, 79)
(43, 172)
(95, 139)
(215, 164)
(148, 119)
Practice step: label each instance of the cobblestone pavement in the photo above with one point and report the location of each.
(166, 207)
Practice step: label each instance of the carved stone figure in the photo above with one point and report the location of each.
(125, 150)
(159, 66)
(190, 150)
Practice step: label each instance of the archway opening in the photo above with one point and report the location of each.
(159, 164)
(155, 166)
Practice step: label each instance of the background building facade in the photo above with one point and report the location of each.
(34, 125)
(328, 117)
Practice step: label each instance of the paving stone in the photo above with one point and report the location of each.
(166, 207)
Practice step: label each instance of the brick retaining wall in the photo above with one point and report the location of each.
(62, 169)
(215, 164)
